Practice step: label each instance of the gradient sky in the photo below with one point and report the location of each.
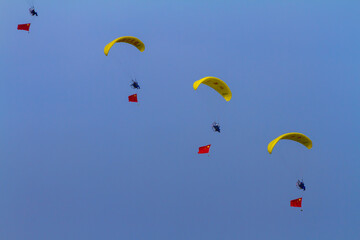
(78, 161)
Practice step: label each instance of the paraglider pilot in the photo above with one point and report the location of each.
(135, 84)
(32, 11)
(216, 127)
(300, 185)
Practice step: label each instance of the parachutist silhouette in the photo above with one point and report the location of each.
(216, 127)
(134, 84)
(300, 185)
(32, 11)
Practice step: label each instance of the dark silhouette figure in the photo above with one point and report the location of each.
(216, 127)
(134, 84)
(300, 185)
(32, 11)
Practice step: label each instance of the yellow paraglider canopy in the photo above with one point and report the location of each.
(216, 84)
(126, 39)
(298, 137)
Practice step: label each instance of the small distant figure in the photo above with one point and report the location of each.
(216, 127)
(300, 185)
(134, 84)
(32, 11)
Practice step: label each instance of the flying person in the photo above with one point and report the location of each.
(134, 84)
(32, 11)
(300, 185)
(216, 127)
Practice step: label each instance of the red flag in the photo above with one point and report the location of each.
(133, 98)
(204, 149)
(296, 202)
(25, 26)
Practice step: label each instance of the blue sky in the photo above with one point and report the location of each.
(77, 161)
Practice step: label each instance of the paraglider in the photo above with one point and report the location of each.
(223, 89)
(217, 84)
(136, 43)
(33, 12)
(216, 127)
(294, 136)
(134, 84)
(300, 185)
(126, 39)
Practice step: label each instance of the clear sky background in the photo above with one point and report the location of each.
(78, 161)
